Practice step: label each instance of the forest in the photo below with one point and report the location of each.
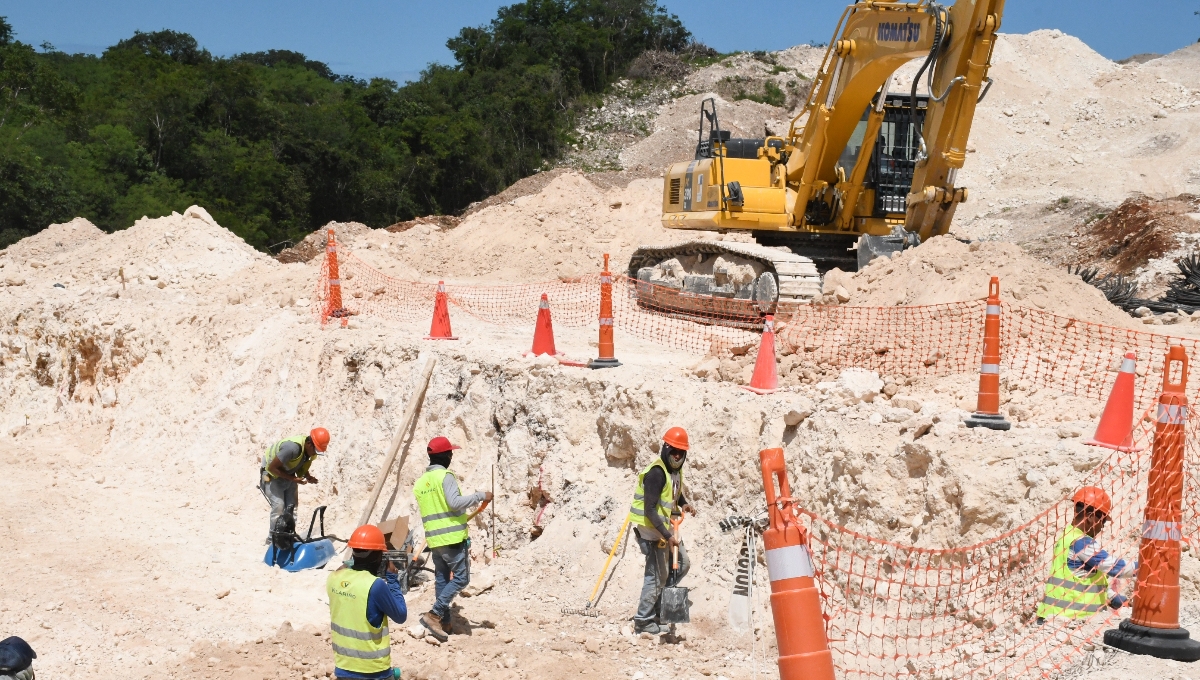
(274, 144)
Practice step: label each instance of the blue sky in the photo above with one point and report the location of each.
(396, 40)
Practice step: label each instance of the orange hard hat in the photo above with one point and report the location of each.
(320, 437)
(1094, 497)
(677, 437)
(367, 537)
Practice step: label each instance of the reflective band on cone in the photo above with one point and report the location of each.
(987, 410)
(1153, 628)
(795, 602)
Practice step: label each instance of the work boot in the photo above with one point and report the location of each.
(446, 626)
(433, 624)
(651, 627)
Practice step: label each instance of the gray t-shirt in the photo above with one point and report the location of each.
(289, 454)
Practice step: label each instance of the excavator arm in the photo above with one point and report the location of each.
(874, 39)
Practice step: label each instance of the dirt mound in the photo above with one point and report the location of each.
(442, 222)
(53, 240)
(1139, 230)
(944, 269)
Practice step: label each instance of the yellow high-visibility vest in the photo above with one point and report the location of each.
(298, 467)
(358, 646)
(1066, 594)
(443, 526)
(666, 502)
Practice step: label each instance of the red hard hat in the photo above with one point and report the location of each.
(320, 437)
(367, 537)
(677, 437)
(440, 445)
(1094, 497)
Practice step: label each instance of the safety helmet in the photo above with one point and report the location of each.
(677, 437)
(1094, 497)
(440, 445)
(367, 537)
(320, 438)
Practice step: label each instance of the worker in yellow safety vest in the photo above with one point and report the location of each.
(284, 465)
(360, 607)
(1079, 583)
(444, 516)
(658, 498)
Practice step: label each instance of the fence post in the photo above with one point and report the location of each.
(607, 358)
(987, 411)
(1154, 629)
(795, 602)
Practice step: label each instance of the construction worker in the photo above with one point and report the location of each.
(284, 465)
(444, 515)
(658, 498)
(1079, 586)
(16, 659)
(360, 606)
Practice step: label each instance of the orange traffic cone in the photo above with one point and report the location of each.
(543, 333)
(1153, 628)
(606, 359)
(987, 412)
(440, 328)
(766, 377)
(1115, 430)
(795, 600)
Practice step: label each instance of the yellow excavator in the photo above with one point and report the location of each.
(860, 169)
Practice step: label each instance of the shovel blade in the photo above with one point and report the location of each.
(674, 606)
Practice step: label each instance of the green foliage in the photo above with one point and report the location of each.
(275, 144)
(771, 94)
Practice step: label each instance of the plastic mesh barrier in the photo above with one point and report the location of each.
(896, 611)
(893, 611)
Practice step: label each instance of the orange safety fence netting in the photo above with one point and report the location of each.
(894, 611)
(897, 611)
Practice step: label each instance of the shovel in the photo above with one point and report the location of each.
(674, 605)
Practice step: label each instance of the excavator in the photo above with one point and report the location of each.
(861, 168)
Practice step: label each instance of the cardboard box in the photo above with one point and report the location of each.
(395, 530)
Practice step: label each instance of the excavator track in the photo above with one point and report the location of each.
(796, 281)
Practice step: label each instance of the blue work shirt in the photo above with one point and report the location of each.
(385, 599)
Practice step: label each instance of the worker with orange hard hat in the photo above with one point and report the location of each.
(1079, 585)
(284, 465)
(658, 498)
(360, 607)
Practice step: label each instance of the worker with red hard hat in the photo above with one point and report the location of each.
(1079, 583)
(444, 517)
(658, 498)
(284, 465)
(360, 607)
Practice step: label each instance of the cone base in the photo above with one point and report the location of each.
(1161, 643)
(1115, 447)
(758, 390)
(610, 362)
(443, 337)
(992, 421)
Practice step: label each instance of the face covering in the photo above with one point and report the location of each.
(442, 459)
(669, 459)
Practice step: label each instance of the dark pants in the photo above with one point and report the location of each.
(449, 559)
(658, 575)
